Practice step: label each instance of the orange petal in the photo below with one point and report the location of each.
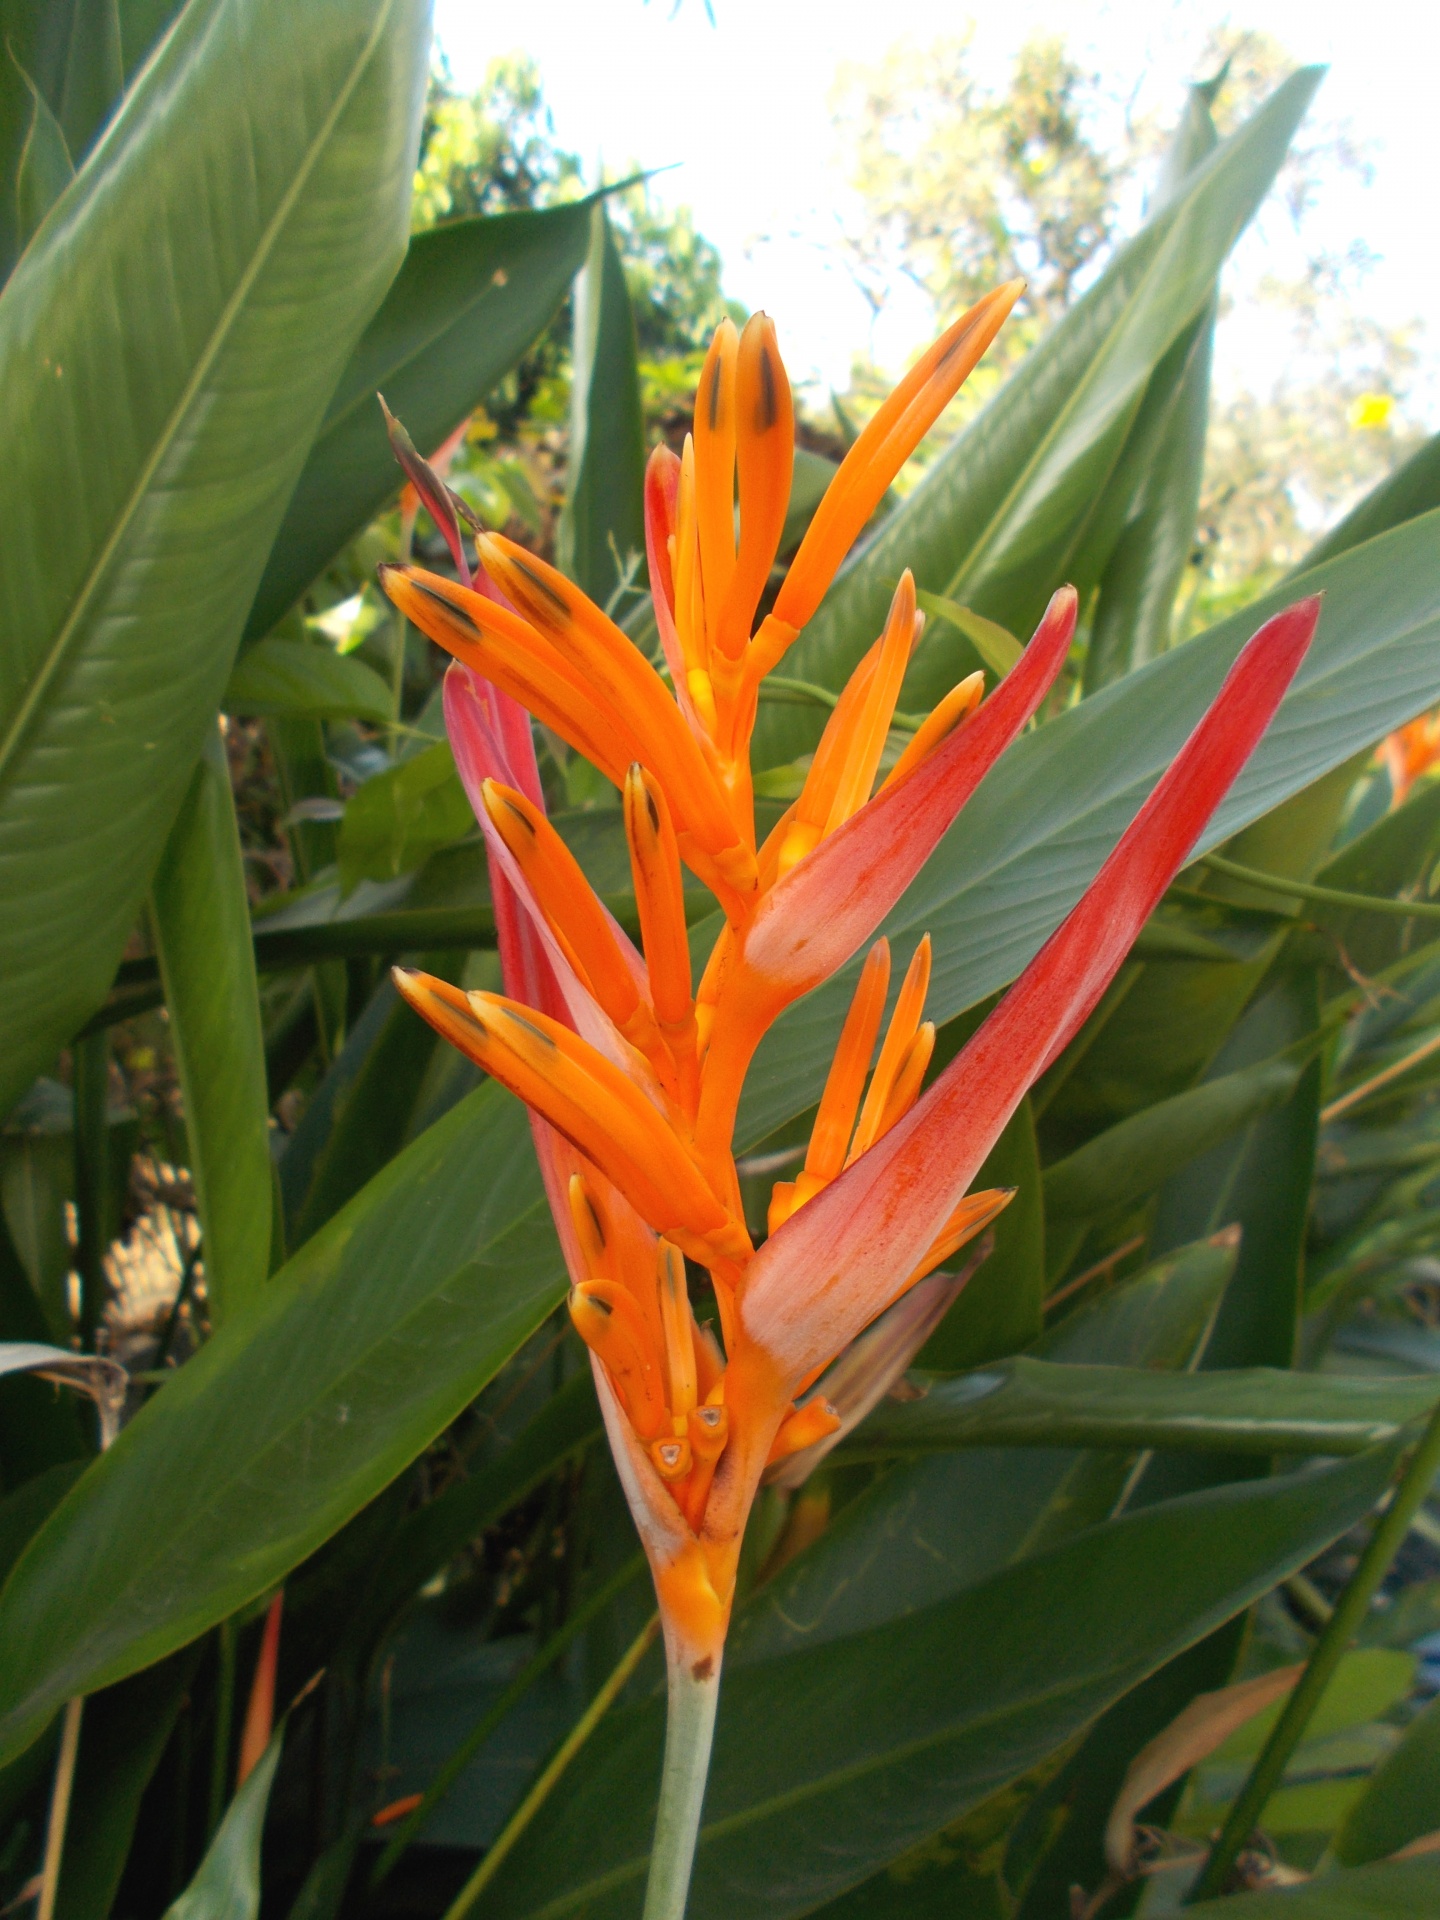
(260, 1712)
(575, 916)
(812, 1422)
(911, 1077)
(877, 456)
(971, 1217)
(611, 1324)
(835, 1120)
(502, 647)
(679, 1325)
(952, 712)
(715, 471)
(596, 648)
(903, 1024)
(766, 454)
(588, 1100)
(873, 723)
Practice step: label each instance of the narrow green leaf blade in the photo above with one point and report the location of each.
(166, 351)
(471, 296)
(1027, 1402)
(1134, 1157)
(1401, 1801)
(201, 919)
(602, 529)
(227, 1885)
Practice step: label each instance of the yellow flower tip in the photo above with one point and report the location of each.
(952, 712)
(816, 1420)
(882, 449)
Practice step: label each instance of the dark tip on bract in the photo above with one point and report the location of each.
(703, 1669)
(767, 410)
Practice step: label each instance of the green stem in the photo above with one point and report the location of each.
(689, 1731)
(544, 1786)
(1325, 1657)
(1322, 896)
(519, 1686)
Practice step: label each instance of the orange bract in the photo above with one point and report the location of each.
(650, 1108)
(633, 1072)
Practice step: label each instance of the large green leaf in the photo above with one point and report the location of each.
(1260, 1179)
(1026, 1402)
(201, 917)
(166, 350)
(831, 1761)
(1036, 832)
(470, 298)
(996, 521)
(602, 529)
(357, 1354)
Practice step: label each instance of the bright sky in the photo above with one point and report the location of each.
(741, 110)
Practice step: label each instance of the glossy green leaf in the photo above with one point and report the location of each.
(1401, 1801)
(166, 350)
(200, 914)
(45, 168)
(831, 1761)
(227, 1884)
(471, 296)
(602, 528)
(995, 522)
(1147, 561)
(1043, 820)
(1132, 1159)
(996, 645)
(929, 1528)
(1026, 1402)
(1260, 1179)
(291, 1418)
(400, 817)
(357, 1118)
(292, 680)
(142, 23)
(122, 1737)
(1399, 1890)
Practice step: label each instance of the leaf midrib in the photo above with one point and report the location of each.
(60, 645)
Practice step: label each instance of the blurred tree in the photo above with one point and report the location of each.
(961, 184)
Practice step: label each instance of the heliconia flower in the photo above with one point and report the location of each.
(632, 1070)
(1410, 751)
